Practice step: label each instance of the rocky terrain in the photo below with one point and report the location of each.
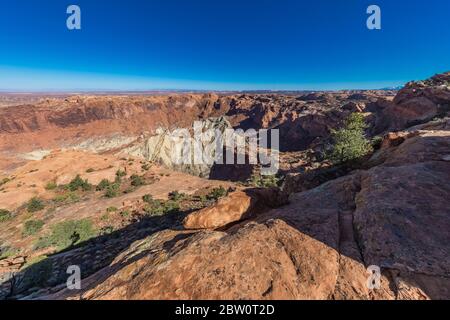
(156, 230)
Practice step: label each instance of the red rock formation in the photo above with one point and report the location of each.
(394, 215)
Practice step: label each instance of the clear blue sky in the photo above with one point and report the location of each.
(220, 44)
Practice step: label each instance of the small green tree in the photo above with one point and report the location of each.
(349, 142)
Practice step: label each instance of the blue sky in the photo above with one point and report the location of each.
(220, 45)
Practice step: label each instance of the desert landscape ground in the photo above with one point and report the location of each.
(86, 180)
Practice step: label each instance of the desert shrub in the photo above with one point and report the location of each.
(147, 198)
(112, 190)
(120, 173)
(31, 227)
(103, 185)
(145, 167)
(349, 142)
(78, 183)
(159, 208)
(35, 204)
(67, 198)
(203, 199)
(176, 196)
(5, 215)
(51, 186)
(68, 233)
(90, 170)
(171, 206)
(217, 193)
(264, 181)
(376, 142)
(137, 181)
(111, 209)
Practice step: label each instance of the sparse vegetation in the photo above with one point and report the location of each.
(217, 193)
(35, 205)
(120, 174)
(31, 227)
(105, 183)
(51, 186)
(5, 215)
(68, 233)
(350, 143)
(137, 181)
(264, 181)
(176, 196)
(159, 207)
(79, 184)
(376, 142)
(111, 209)
(67, 198)
(147, 198)
(112, 190)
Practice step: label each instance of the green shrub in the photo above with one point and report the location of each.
(120, 173)
(77, 183)
(147, 198)
(68, 233)
(350, 143)
(217, 193)
(51, 186)
(203, 198)
(159, 208)
(67, 198)
(376, 142)
(263, 181)
(35, 204)
(112, 190)
(171, 206)
(31, 227)
(137, 181)
(103, 185)
(111, 209)
(176, 196)
(5, 215)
